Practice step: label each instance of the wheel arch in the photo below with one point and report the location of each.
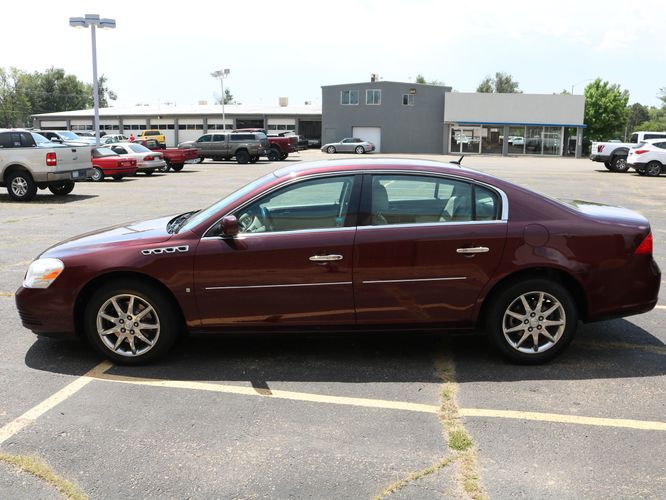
(619, 152)
(89, 288)
(553, 274)
(15, 167)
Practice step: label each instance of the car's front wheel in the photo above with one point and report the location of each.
(330, 150)
(131, 322)
(653, 169)
(532, 321)
(360, 150)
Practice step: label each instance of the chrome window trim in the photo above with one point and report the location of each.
(504, 216)
(432, 224)
(242, 236)
(285, 285)
(414, 280)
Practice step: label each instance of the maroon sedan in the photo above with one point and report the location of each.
(355, 244)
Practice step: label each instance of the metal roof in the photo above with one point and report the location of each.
(196, 110)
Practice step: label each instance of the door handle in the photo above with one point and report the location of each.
(325, 258)
(473, 250)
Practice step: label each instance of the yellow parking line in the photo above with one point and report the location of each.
(16, 425)
(275, 394)
(646, 425)
(383, 403)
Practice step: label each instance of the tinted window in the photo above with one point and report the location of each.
(415, 199)
(312, 204)
(654, 136)
(242, 137)
(152, 132)
(634, 138)
(5, 140)
(204, 138)
(661, 145)
(138, 148)
(218, 138)
(120, 150)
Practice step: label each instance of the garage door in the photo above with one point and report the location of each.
(370, 134)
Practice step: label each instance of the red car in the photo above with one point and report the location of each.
(108, 163)
(358, 244)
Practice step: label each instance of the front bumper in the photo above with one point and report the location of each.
(46, 311)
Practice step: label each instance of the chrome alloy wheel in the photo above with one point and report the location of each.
(19, 186)
(534, 322)
(128, 325)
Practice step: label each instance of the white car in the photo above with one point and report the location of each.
(147, 161)
(649, 157)
(112, 138)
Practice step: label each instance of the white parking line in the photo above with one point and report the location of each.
(16, 425)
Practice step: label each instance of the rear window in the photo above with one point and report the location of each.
(654, 136)
(242, 137)
(138, 148)
(103, 152)
(16, 140)
(152, 132)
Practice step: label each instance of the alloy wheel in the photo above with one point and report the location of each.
(534, 322)
(128, 325)
(19, 186)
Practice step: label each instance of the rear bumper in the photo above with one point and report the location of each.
(77, 175)
(598, 157)
(119, 170)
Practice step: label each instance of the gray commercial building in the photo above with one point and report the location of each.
(413, 118)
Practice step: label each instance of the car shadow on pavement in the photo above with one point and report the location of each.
(46, 198)
(612, 349)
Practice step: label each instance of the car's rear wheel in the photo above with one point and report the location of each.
(177, 168)
(273, 155)
(607, 165)
(360, 150)
(653, 169)
(330, 150)
(532, 321)
(165, 168)
(619, 164)
(242, 157)
(131, 322)
(201, 159)
(254, 159)
(20, 186)
(62, 188)
(283, 156)
(97, 175)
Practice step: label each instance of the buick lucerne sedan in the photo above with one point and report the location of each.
(350, 245)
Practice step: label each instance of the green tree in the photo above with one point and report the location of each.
(605, 111)
(105, 94)
(228, 98)
(15, 106)
(636, 113)
(502, 83)
(656, 120)
(420, 79)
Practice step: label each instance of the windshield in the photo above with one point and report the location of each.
(138, 148)
(40, 140)
(69, 135)
(633, 138)
(204, 214)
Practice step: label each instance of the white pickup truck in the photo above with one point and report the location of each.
(614, 154)
(29, 161)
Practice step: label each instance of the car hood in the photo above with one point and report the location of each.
(135, 233)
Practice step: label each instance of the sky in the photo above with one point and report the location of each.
(164, 52)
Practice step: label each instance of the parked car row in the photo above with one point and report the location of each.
(614, 154)
(649, 157)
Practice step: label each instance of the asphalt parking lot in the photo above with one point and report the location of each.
(352, 416)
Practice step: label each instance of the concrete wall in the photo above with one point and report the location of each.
(404, 129)
(524, 109)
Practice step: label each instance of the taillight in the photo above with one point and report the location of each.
(645, 248)
(148, 158)
(641, 151)
(51, 160)
(600, 148)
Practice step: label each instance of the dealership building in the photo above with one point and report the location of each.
(397, 117)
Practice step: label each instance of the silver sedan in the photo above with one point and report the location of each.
(349, 145)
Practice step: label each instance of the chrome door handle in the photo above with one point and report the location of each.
(325, 258)
(473, 250)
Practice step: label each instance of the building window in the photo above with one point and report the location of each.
(373, 97)
(349, 97)
(408, 99)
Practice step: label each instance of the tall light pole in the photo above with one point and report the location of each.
(221, 74)
(93, 22)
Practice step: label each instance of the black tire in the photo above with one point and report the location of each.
(619, 164)
(201, 159)
(149, 171)
(20, 186)
(242, 157)
(254, 159)
(165, 168)
(164, 315)
(330, 150)
(62, 188)
(97, 175)
(283, 156)
(177, 168)
(117, 177)
(359, 150)
(273, 155)
(607, 165)
(653, 169)
(518, 345)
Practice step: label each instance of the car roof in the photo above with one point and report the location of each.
(374, 164)
(652, 141)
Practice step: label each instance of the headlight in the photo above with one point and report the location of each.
(43, 272)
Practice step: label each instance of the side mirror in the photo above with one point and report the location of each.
(229, 226)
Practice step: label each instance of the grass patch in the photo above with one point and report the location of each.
(41, 470)
(459, 440)
(398, 485)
